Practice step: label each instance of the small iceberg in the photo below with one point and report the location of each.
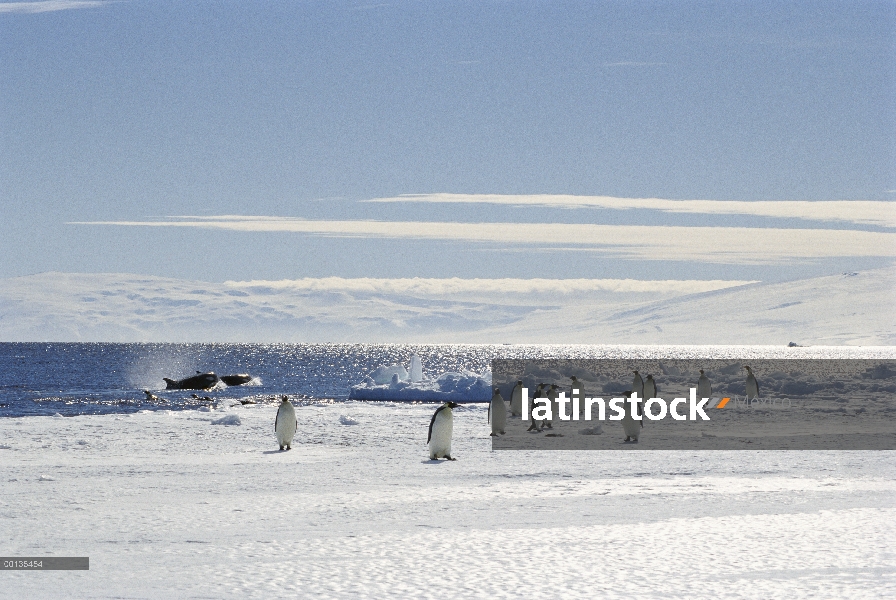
(385, 374)
(343, 420)
(394, 382)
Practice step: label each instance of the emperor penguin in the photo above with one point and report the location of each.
(638, 384)
(440, 429)
(552, 398)
(533, 424)
(285, 424)
(516, 400)
(704, 387)
(752, 384)
(630, 425)
(497, 413)
(651, 390)
(577, 390)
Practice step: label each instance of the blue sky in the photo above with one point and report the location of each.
(139, 111)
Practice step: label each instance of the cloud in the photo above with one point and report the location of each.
(418, 286)
(860, 212)
(47, 6)
(722, 245)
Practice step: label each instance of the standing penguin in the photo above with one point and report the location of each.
(630, 425)
(651, 390)
(704, 387)
(516, 400)
(576, 390)
(638, 384)
(440, 429)
(752, 385)
(285, 424)
(533, 424)
(552, 398)
(497, 413)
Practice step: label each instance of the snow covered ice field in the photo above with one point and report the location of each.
(168, 505)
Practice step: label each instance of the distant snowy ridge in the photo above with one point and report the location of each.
(834, 310)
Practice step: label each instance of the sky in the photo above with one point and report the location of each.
(220, 141)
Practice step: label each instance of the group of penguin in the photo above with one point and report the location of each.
(442, 423)
(632, 427)
(441, 426)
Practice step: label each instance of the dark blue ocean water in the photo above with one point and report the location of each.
(70, 379)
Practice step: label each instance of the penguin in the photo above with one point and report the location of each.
(555, 410)
(150, 397)
(534, 425)
(752, 385)
(704, 387)
(638, 384)
(577, 389)
(516, 400)
(497, 413)
(651, 390)
(285, 424)
(631, 426)
(440, 428)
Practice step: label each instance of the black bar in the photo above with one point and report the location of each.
(44, 563)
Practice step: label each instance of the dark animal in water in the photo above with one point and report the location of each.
(200, 381)
(239, 379)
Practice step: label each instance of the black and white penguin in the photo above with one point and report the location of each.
(752, 385)
(704, 387)
(516, 400)
(630, 425)
(497, 413)
(577, 390)
(637, 384)
(440, 429)
(533, 424)
(555, 410)
(651, 390)
(285, 424)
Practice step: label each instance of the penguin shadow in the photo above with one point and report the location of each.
(274, 451)
(436, 461)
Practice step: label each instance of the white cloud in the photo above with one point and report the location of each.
(722, 245)
(47, 6)
(862, 212)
